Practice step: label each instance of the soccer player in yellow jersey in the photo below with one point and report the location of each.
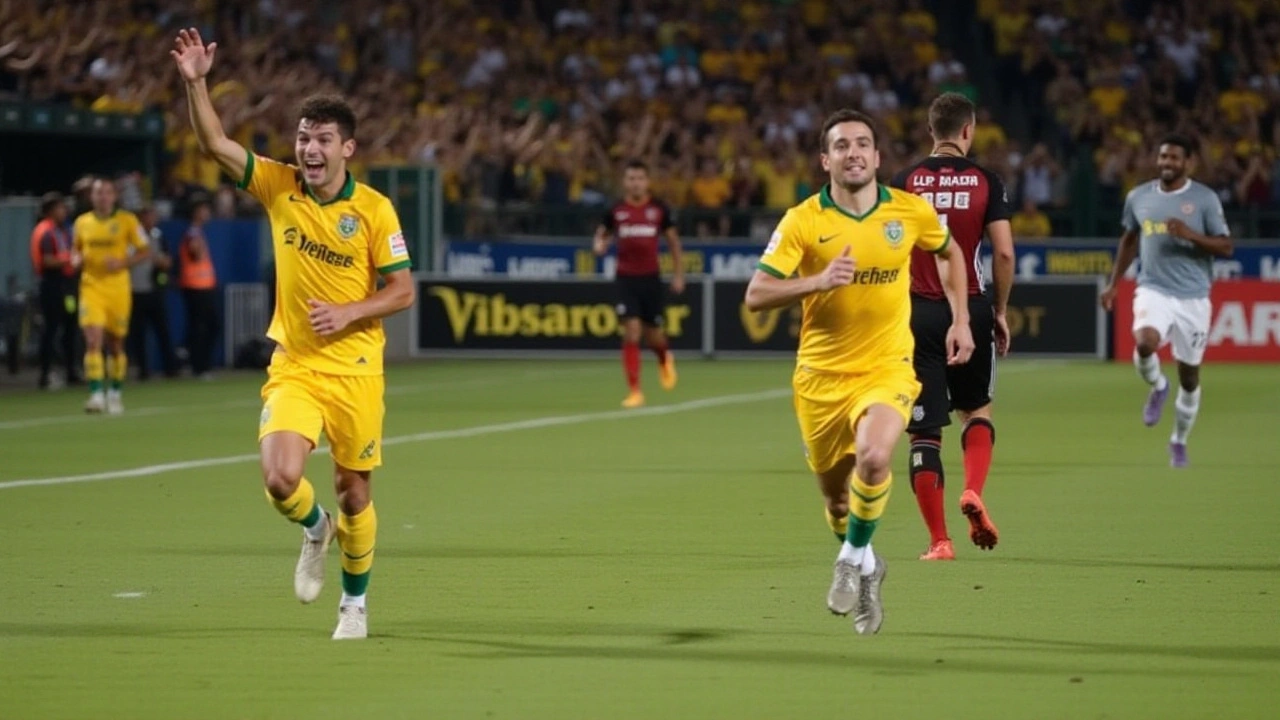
(106, 242)
(845, 253)
(334, 239)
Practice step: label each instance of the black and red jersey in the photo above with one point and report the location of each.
(968, 197)
(637, 230)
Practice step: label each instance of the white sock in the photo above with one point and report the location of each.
(851, 554)
(869, 562)
(1149, 369)
(1186, 407)
(315, 533)
(352, 601)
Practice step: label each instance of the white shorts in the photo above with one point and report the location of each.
(1182, 322)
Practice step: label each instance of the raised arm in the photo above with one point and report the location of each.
(194, 59)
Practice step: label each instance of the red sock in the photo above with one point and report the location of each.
(927, 483)
(631, 364)
(660, 351)
(978, 438)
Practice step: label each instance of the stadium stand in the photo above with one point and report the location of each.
(528, 103)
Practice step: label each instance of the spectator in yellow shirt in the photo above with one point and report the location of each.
(1238, 102)
(917, 17)
(709, 191)
(987, 134)
(1029, 223)
(1108, 95)
(780, 178)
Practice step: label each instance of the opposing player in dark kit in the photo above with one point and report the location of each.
(637, 224)
(972, 202)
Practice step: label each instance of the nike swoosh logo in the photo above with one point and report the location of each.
(294, 198)
(824, 239)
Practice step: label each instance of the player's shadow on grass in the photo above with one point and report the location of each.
(865, 658)
(999, 643)
(1222, 567)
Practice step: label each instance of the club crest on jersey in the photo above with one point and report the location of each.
(347, 226)
(1188, 208)
(651, 214)
(893, 232)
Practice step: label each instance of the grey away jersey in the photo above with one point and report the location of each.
(1174, 266)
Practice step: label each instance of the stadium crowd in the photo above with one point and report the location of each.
(538, 102)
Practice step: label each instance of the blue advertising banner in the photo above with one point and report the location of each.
(479, 258)
(1083, 258)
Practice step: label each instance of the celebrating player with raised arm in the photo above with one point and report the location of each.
(845, 252)
(972, 202)
(1176, 225)
(638, 223)
(333, 239)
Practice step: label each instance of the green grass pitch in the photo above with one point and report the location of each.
(543, 554)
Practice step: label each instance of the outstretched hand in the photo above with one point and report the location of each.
(192, 56)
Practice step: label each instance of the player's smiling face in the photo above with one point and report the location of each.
(322, 153)
(851, 157)
(1172, 163)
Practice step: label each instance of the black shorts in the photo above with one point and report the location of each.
(642, 297)
(945, 388)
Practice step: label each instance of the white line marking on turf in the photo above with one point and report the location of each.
(392, 391)
(467, 432)
(129, 595)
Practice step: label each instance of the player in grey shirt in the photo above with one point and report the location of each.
(1182, 228)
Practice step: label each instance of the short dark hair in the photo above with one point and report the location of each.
(48, 202)
(330, 109)
(948, 113)
(845, 115)
(1186, 142)
(637, 164)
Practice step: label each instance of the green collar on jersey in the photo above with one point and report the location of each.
(825, 202)
(348, 189)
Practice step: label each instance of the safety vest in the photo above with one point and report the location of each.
(62, 247)
(196, 274)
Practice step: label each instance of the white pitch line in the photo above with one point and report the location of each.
(467, 432)
(392, 391)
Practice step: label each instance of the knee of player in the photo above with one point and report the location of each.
(1189, 378)
(281, 481)
(1147, 345)
(352, 490)
(873, 459)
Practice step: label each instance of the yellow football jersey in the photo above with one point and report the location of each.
(866, 324)
(98, 239)
(328, 251)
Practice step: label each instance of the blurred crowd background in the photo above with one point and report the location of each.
(535, 103)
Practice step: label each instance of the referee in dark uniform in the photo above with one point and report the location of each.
(150, 281)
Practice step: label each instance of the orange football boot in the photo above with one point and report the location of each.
(941, 550)
(667, 372)
(982, 531)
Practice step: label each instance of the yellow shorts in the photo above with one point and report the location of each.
(349, 408)
(829, 406)
(107, 310)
